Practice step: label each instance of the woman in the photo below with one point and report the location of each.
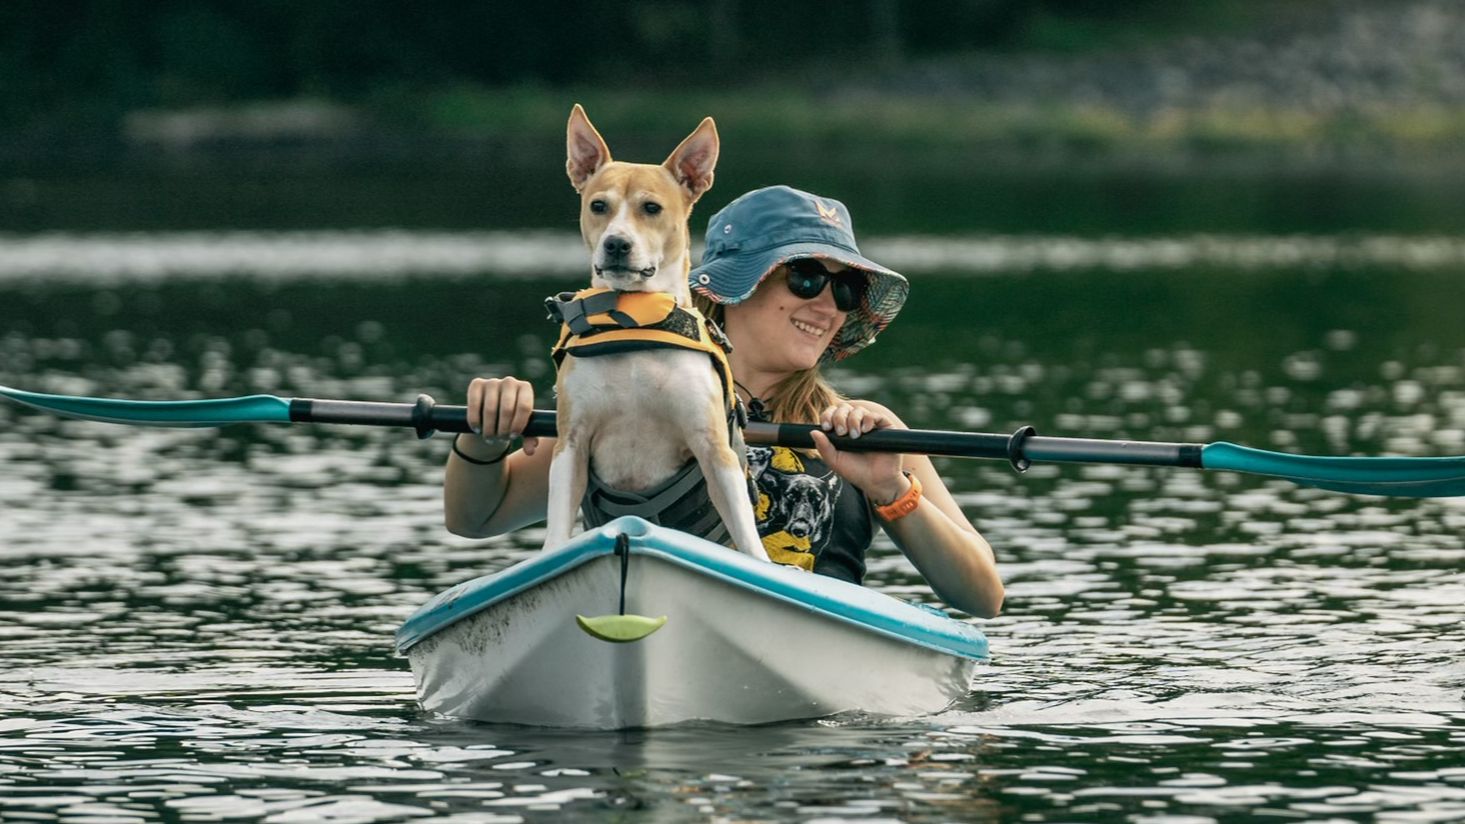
(782, 274)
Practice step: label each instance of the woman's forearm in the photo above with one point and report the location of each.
(472, 492)
(482, 501)
(949, 553)
(956, 563)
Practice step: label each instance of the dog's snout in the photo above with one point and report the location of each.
(616, 246)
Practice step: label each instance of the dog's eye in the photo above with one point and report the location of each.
(651, 208)
(598, 207)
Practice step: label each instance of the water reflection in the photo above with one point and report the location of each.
(197, 623)
(388, 254)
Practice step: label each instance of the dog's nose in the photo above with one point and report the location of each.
(616, 246)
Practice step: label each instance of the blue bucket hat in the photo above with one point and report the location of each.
(765, 228)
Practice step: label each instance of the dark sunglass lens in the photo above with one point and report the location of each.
(848, 290)
(806, 281)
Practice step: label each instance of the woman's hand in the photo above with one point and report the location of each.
(877, 474)
(498, 410)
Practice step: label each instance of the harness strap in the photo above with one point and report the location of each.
(574, 311)
(680, 502)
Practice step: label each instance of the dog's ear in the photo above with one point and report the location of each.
(691, 164)
(585, 149)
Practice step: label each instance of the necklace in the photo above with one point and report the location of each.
(757, 411)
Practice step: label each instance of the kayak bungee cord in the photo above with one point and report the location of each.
(1390, 476)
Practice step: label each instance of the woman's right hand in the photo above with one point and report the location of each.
(498, 410)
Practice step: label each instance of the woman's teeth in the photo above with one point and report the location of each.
(816, 331)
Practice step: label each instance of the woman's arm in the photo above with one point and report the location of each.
(485, 499)
(948, 551)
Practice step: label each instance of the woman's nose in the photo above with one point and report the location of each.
(825, 298)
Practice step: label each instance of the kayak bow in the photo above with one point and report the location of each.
(742, 641)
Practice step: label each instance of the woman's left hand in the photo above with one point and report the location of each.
(877, 474)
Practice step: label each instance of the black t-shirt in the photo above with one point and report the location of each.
(808, 516)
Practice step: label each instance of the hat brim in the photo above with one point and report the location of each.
(737, 277)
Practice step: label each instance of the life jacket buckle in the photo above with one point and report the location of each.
(718, 336)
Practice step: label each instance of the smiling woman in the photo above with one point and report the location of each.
(783, 274)
(782, 271)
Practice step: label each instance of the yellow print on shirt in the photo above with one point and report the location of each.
(783, 548)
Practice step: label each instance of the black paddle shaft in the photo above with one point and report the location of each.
(1020, 448)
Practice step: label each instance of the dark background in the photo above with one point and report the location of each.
(1012, 116)
(80, 59)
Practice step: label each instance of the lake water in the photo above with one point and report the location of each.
(196, 625)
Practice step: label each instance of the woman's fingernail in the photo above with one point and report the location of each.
(827, 425)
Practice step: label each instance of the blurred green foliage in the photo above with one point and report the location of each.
(90, 60)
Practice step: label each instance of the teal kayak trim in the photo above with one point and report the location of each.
(842, 601)
(1399, 477)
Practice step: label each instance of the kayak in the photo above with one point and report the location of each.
(635, 625)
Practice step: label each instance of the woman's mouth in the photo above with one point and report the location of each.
(811, 329)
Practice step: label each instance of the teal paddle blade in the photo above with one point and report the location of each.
(248, 409)
(1397, 477)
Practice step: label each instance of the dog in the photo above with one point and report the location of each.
(639, 416)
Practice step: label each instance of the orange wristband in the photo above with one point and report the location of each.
(905, 504)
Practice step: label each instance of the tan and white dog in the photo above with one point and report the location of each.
(639, 416)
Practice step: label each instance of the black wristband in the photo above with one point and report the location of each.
(476, 462)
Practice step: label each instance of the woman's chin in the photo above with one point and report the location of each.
(808, 357)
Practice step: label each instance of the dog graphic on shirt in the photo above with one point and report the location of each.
(794, 509)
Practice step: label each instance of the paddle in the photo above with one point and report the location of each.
(1399, 477)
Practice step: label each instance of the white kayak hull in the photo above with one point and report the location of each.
(745, 642)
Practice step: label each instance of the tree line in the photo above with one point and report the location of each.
(75, 59)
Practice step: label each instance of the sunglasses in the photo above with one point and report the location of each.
(807, 278)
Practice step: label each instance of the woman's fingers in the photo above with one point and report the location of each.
(519, 416)
(847, 419)
(474, 404)
(477, 388)
(828, 453)
(488, 424)
(508, 402)
(499, 408)
(836, 419)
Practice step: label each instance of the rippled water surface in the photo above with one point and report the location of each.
(196, 625)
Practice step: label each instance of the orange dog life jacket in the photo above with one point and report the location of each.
(602, 321)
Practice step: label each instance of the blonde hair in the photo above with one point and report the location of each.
(798, 398)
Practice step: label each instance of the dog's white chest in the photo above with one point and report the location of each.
(637, 412)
